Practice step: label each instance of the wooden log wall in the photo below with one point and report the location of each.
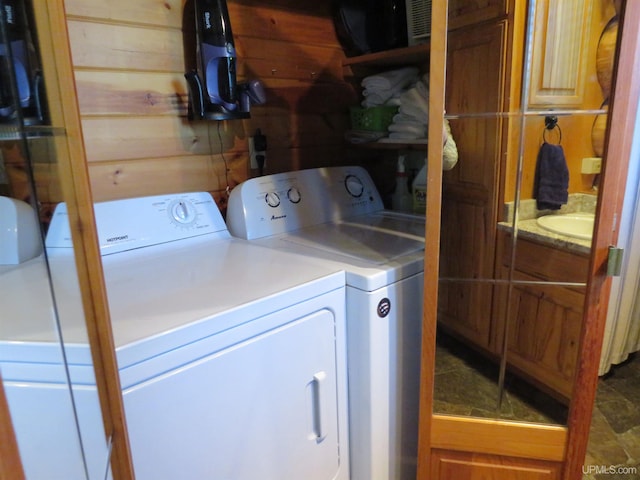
(129, 67)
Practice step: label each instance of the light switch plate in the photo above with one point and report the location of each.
(591, 165)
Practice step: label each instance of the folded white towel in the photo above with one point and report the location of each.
(363, 136)
(391, 80)
(422, 89)
(414, 111)
(413, 97)
(405, 136)
(402, 117)
(416, 129)
(373, 99)
(411, 123)
(378, 89)
(394, 101)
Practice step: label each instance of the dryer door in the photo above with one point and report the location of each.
(263, 407)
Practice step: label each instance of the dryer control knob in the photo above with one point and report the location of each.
(183, 212)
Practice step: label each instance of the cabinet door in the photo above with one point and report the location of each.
(469, 211)
(263, 408)
(464, 12)
(545, 320)
(544, 335)
(560, 44)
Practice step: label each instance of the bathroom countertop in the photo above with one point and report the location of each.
(529, 229)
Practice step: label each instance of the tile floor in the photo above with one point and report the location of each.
(466, 384)
(614, 441)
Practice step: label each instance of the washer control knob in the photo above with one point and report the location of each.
(183, 212)
(294, 195)
(354, 185)
(272, 199)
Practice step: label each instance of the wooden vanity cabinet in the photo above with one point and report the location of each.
(543, 322)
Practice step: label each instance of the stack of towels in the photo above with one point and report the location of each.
(409, 91)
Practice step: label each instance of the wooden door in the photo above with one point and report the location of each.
(459, 447)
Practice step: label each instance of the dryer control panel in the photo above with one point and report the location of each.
(144, 221)
(285, 202)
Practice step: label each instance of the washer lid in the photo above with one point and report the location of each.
(372, 245)
(405, 224)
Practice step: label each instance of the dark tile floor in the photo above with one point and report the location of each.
(466, 384)
(614, 442)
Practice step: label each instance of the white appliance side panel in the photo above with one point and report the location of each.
(47, 435)
(383, 354)
(266, 407)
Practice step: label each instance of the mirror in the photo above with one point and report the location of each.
(45, 360)
(526, 98)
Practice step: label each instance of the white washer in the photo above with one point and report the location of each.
(231, 356)
(335, 215)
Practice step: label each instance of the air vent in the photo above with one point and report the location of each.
(418, 21)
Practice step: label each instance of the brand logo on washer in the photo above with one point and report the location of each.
(278, 217)
(384, 307)
(117, 239)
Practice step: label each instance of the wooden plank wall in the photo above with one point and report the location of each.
(129, 67)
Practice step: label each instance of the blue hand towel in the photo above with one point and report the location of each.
(551, 182)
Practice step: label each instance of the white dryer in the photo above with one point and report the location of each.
(231, 356)
(336, 216)
(36, 374)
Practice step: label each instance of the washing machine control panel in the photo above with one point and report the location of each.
(285, 202)
(144, 221)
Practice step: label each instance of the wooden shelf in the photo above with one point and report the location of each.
(415, 55)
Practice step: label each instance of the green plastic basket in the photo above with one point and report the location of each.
(373, 119)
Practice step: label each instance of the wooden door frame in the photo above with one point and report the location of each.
(566, 445)
(57, 66)
(621, 119)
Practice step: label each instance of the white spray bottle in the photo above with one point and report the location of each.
(401, 199)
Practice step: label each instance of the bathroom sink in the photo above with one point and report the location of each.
(577, 225)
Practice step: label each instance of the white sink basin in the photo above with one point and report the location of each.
(577, 225)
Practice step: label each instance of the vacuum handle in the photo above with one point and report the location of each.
(196, 97)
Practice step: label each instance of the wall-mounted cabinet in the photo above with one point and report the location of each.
(560, 54)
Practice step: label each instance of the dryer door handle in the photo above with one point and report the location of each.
(320, 406)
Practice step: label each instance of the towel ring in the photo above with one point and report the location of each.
(551, 123)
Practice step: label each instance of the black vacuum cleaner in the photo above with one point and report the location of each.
(21, 81)
(210, 60)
